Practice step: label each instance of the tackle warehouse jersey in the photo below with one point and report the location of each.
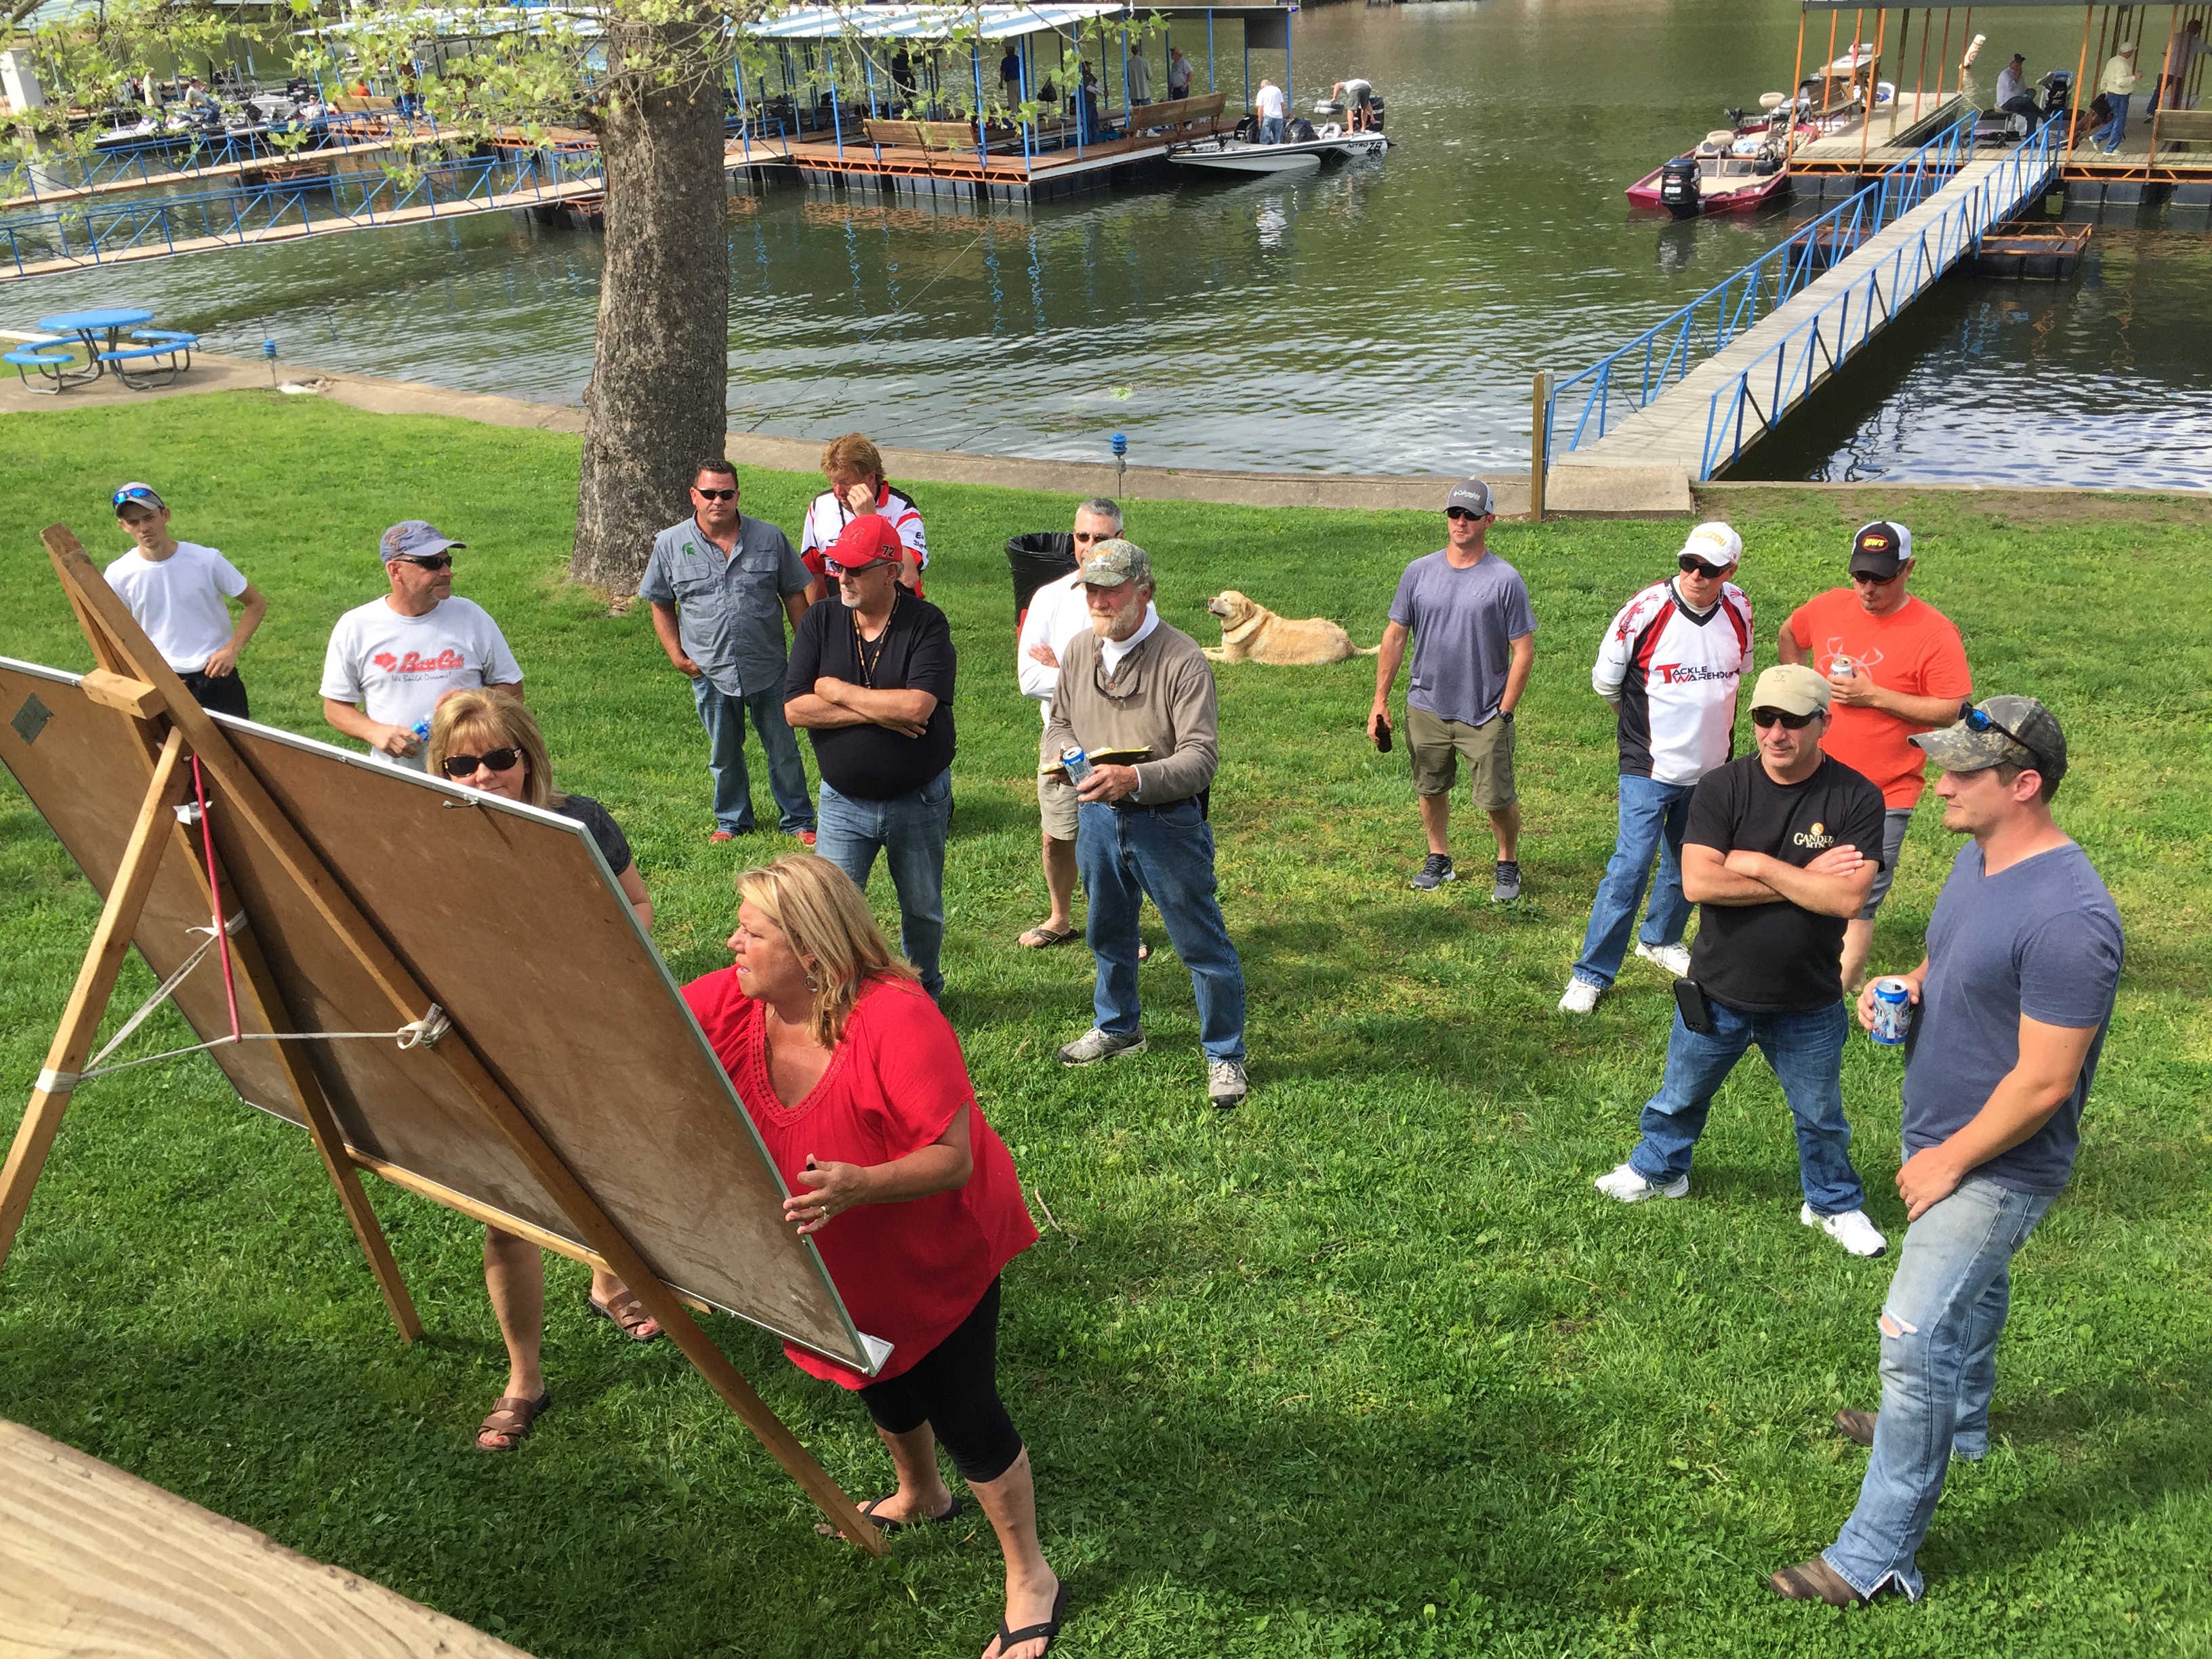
(1675, 674)
(827, 516)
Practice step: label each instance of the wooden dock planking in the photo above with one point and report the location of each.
(95, 1563)
(218, 170)
(1671, 431)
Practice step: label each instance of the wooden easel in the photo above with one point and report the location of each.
(134, 680)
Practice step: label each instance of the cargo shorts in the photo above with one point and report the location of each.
(1057, 803)
(1436, 745)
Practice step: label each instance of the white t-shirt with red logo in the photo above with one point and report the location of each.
(397, 668)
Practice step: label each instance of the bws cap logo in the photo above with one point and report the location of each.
(1817, 838)
(414, 663)
(1875, 541)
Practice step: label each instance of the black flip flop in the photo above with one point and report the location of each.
(1046, 938)
(887, 1526)
(1013, 1639)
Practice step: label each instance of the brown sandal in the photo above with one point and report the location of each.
(511, 1417)
(628, 1313)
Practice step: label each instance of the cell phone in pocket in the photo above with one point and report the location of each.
(1697, 1012)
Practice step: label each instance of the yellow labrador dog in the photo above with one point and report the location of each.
(1252, 632)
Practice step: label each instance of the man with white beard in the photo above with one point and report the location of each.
(1136, 687)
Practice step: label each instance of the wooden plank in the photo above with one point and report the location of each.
(96, 1562)
(120, 693)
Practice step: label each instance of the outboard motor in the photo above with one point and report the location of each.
(1300, 130)
(1679, 187)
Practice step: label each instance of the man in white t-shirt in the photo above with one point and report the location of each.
(391, 660)
(179, 592)
(1267, 104)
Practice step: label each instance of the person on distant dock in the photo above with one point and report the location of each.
(1475, 640)
(179, 592)
(1139, 76)
(720, 585)
(1269, 105)
(1895, 665)
(1670, 665)
(393, 660)
(2012, 1002)
(2183, 47)
(1178, 73)
(2119, 82)
(855, 469)
(2013, 96)
(1357, 98)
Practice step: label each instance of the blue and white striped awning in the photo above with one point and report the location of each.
(926, 23)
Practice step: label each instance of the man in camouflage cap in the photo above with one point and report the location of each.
(2012, 1002)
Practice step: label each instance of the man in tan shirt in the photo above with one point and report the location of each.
(1139, 687)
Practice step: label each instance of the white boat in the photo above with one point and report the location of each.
(1237, 155)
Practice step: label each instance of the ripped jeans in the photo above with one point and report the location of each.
(1939, 1366)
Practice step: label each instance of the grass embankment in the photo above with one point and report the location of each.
(1362, 1368)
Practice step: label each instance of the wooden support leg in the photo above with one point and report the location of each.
(95, 983)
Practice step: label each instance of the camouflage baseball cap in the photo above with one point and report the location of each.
(2018, 730)
(1115, 561)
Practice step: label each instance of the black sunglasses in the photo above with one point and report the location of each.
(1977, 719)
(1094, 535)
(714, 495)
(1699, 568)
(1463, 512)
(1873, 580)
(464, 766)
(1776, 717)
(429, 561)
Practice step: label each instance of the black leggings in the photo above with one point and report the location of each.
(955, 1390)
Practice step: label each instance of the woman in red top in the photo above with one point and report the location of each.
(858, 1087)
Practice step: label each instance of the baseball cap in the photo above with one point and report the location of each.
(1792, 688)
(1881, 549)
(869, 540)
(1115, 561)
(412, 538)
(2020, 729)
(1474, 496)
(1714, 544)
(139, 492)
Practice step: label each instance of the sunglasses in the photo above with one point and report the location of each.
(1463, 512)
(122, 496)
(1866, 579)
(1776, 717)
(1699, 568)
(1976, 719)
(836, 569)
(1094, 535)
(714, 495)
(499, 760)
(428, 562)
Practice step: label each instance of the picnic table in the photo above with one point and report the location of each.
(101, 334)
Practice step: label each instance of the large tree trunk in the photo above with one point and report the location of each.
(658, 401)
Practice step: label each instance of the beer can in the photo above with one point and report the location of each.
(1892, 1011)
(1078, 764)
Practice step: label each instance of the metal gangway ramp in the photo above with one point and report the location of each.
(1698, 390)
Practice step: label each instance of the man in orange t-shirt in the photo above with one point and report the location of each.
(1896, 666)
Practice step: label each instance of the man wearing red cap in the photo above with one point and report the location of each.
(870, 679)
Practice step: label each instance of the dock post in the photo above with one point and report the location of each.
(1540, 446)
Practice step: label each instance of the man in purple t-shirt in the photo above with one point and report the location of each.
(1474, 637)
(2013, 999)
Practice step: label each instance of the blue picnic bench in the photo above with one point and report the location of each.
(56, 363)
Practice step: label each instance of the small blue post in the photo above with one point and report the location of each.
(1121, 442)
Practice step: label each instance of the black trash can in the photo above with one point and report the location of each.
(1041, 556)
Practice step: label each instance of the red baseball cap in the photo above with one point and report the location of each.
(868, 540)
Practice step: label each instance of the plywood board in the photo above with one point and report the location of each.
(95, 1564)
(510, 919)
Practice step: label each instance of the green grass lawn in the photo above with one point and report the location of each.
(1363, 1368)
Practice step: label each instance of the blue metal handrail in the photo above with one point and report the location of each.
(158, 160)
(100, 229)
(1788, 370)
(1625, 380)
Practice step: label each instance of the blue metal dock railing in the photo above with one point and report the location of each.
(97, 231)
(163, 159)
(1625, 380)
(1786, 371)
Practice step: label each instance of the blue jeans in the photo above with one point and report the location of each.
(1653, 817)
(1271, 129)
(2113, 131)
(724, 717)
(1806, 1050)
(909, 832)
(1939, 1366)
(1123, 856)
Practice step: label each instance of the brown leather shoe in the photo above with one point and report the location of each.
(1815, 1580)
(1856, 1426)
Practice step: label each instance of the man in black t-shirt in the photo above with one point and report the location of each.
(1773, 857)
(871, 680)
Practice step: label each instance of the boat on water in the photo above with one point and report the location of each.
(1234, 154)
(1718, 177)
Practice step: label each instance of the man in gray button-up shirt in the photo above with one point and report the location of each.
(720, 585)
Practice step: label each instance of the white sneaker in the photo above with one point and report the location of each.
(1631, 1187)
(1851, 1229)
(1582, 996)
(1675, 959)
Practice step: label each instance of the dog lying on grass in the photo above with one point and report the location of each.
(1252, 632)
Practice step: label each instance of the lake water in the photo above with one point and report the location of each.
(1385, 318)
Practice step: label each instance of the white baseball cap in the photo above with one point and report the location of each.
(1713, 544)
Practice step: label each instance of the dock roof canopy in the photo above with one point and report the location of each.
(926, 23)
